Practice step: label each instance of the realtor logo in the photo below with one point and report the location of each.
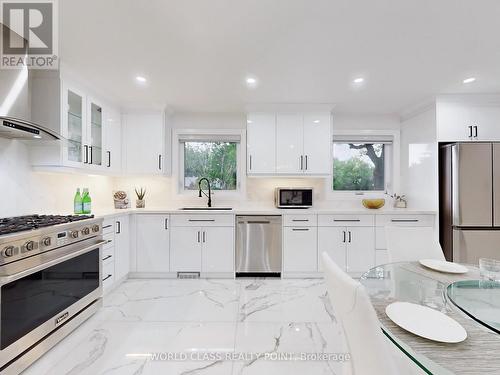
(29, 34)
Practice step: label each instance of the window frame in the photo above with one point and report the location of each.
(392, 165)
(178, 153)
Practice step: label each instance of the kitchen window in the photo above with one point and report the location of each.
(214, 156)
(361, 164)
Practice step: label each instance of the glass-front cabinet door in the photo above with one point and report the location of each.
(95, 134)
(75, 126)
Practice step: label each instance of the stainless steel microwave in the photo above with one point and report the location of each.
(293, 197)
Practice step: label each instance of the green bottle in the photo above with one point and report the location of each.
(86, 202)
(78, 202)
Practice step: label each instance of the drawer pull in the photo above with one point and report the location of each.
(347, 220)
(202, 220)
(107, 277)
(300, 220)
(107, 226)
(404, 220)
(106, 258)
(300, 229)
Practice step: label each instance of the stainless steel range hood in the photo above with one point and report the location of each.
(16, 99)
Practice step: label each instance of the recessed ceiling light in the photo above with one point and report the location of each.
(251, 82)
(316, 121)
(141, 79)
(469, 80)
(359, 80)
(249, 122)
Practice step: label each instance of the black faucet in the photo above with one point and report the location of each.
(209, 196)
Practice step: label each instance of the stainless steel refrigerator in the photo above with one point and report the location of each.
(469, 199)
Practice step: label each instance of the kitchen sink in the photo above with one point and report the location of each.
(205, 208)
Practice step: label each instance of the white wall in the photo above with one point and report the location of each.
(419, 174)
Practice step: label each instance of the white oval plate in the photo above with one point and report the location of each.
(443, 266)
(426, 322)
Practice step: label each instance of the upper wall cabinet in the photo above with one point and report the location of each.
(261, 143)
(464, 120)
(144, 144)
(81, 119)
(289, 144)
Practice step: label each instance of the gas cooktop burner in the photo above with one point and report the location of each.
(30, 222)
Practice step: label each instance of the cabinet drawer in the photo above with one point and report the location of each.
(110, 237)
(108, 255)
(346, 220)
(406, 220)
(108, 275)
(202, 220)
(300, 220)
(108, 226)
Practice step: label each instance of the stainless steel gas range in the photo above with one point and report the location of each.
(50, 282)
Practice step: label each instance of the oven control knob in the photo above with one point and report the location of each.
(47, 241)
(30, 245)
(74, 234)
(95, 228)
(8, 251)
(86, 231)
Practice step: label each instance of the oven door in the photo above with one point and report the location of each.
(294, 198)
(41, 293)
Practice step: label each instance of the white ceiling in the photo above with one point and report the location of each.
(196, 54)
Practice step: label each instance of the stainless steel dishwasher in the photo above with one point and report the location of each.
(258, 245)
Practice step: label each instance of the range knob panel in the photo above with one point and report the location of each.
(74, 234)
(47, 241)
(30, 245)
(86, 231)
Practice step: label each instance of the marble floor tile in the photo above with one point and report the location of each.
(144, 322)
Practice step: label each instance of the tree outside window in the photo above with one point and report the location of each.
(216, 161)
(359, 166)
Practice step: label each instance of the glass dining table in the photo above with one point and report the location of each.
(472, 302)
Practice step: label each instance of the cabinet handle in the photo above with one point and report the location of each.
(300, 229)
(300, 220)
(107, 226)
(109, 159)
(475, 131)
(257, 222)
(404, 220)
(166, 223)
(301, 162)
(204, 237)
(343, 240)
(109, 256)
(91, 158)
(198, 236)
(306, 162)
(118, 227)
(159, 162)
(85, 154)
(250, 162)
(202, 220)
(107, 277)
(347, 220)
(470, 131)
(349, 236)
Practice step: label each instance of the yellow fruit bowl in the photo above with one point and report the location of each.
(373, 204)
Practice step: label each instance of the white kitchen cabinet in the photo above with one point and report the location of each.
(301, 144)
(185, 249)
(360, 249)
(202, 243)
(300, 249)
(217, 251)
(152, 243)
(74, 126)
(289, 144)
(317, 144)
(332, 240)
(463, 121)
(261, 143)
(112, 140)
(144, 144)
(122, 247)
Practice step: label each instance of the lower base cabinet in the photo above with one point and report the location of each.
(331, 240)
(122, 247)
(300, 249)
(153, 243)
(202, 249)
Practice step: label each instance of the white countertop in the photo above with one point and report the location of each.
(266, 211)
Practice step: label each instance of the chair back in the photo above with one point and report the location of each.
(353, 309)
(408, 244)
